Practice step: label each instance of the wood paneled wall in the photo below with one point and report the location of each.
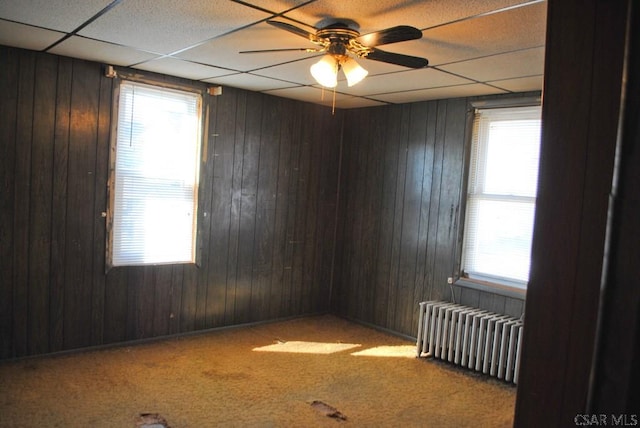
(581, 145)
(268, 197)
(401, 205)
(272, 242)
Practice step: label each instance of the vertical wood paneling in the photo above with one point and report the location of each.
(40, 205)
(278, 287)
(221, 152)
(59, 204)
(85, 94)
(21, 192)
(101, 173)
(404, 165)
(268, 192)
(8, 118)
(386, 212)
(400, 210)
(220, 159)
(583, 82)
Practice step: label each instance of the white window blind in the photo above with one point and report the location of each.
(156, 176)
(501, 196)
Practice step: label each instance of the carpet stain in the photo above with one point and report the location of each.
(328, 410)
(151, 420)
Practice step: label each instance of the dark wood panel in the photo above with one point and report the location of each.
(617, 371)
(387, 211)
(80, 218)
(40, 212)
(583, 74)
(402, 144)
(268, 193)
(59, 204)
(221, 155)
(400, 213)
(22, 184)
(220, 160)
(411, 205)
(8, 119)
(205, 200)
(278, 287)
(237, 110)
(101, 174)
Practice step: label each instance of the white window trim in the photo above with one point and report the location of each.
(493, 284)
(112, 167)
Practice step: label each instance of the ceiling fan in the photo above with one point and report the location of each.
(340, 39)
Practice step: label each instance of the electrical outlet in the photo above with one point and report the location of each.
(449, 280)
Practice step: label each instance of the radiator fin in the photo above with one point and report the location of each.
(479, 340)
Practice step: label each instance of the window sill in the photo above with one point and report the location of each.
(492, 287)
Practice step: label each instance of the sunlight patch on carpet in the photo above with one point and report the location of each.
(300, 347)
(403, 351)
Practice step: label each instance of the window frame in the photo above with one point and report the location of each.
(120, 77)
(488, 284)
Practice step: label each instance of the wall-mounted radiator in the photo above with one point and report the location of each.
(469, 337)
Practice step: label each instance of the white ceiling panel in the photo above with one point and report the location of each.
(474, 89)
(381, 14)
(259, 37)
(310, 94)
(26, 37)
(250, 82)
(294, 72)
(94, 50)
(404, 81)
(165, 26)
(62, 15)
(524, 63)
(486, 35)
(469, 42)
(520, 84)
(180, 68)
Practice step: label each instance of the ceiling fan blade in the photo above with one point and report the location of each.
(400, 33)
(281, 50)
(295, 30)
(398, 59)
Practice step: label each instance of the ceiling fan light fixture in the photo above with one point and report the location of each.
(354, 72)
(325, 71)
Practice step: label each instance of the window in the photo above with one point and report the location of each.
(154, 184)
(501, 196)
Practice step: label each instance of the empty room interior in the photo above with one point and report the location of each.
(318, 212)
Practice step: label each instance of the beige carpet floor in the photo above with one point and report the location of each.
(260, 376)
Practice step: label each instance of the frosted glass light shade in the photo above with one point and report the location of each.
(325, 71)
(353, 71)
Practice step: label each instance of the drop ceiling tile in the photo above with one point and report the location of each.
(404, 81)
(61, 15)
(522, 84)
(310, 94)
(176, 67)
(529, 62)
(277, 6)
(381, 14)
(514, 29)
(358, 102)
(166, 26)
(250, 82)
(94, 50)
(294, 72)
(224, 51)
(27, 37)
(474, 89)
